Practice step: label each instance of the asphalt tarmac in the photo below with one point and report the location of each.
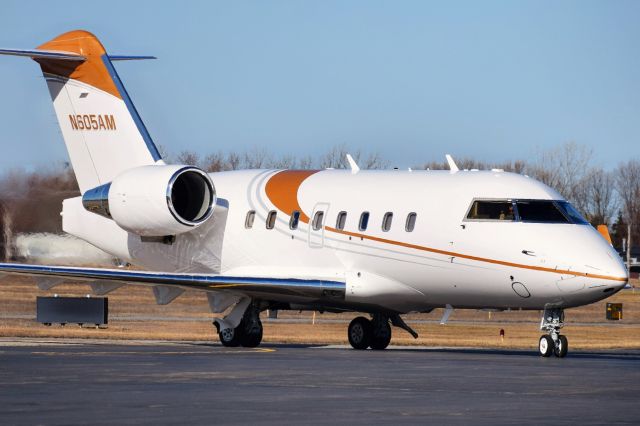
(49, 381)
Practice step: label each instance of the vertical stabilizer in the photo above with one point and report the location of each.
(102, 130)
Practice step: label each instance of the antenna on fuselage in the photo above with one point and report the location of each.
(452, 164)
(352, 164)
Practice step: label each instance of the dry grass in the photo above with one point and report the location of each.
(134, 315)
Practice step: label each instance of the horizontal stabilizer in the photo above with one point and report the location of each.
(67, 56)
(130, 57)
(44, 54)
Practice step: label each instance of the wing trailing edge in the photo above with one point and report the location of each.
(276, 287)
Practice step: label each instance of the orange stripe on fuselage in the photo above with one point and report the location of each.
(476, 258)
(282, 189)
(91, 71)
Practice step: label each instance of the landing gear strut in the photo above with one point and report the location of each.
(553, 342)
(248, 333)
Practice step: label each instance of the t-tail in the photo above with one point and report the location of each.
(102, 130)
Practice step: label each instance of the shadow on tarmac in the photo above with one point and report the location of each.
(613, 354)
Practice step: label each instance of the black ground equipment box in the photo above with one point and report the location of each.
(73, 310)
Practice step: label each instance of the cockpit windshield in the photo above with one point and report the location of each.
(540, 211)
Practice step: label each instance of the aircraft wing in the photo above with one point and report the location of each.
(271, 288)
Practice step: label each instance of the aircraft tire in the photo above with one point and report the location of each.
(359, 333)
(230, 337)
(546, 345)
(562, 348)
(381, 336)
(253, 338)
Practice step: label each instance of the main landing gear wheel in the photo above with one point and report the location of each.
(248, 333)
(381, 332)
(229, 337)
(251, 334)
(546, 346)
(360, 332)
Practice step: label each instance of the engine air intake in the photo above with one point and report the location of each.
(190, 196)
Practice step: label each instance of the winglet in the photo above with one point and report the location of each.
(352, 164)
(604, 231)
(452, 164)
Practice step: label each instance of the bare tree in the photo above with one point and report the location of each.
(564, 168)
(215, 163)
(517, 166)
(627, 177)
(284, 162)
(599, 191)
(6, 233)
(305, 163)
(373, 161)
(336, 158)
(233, 161)
(190, 158)
(258, 158)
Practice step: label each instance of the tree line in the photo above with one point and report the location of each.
(31, 201)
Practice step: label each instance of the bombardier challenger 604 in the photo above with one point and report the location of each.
(382, 243)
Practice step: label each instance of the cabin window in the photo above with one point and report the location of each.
(364, 221)
(295, 220)
(491, 210)
(540, 211)
(386, 221)
(271, 219)
(317, 220)
(411, 222)
(251, 217)
(341, 220)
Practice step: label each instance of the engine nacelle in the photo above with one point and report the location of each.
(155, 201)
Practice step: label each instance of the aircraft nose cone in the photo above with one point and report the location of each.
(617, 269)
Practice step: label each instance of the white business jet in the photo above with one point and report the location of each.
(383, 243)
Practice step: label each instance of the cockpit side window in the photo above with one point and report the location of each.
(540, 211)
(491, 210)
(571, 213)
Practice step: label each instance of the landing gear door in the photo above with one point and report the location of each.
(317, 223)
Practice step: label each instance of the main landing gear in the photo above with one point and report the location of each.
(374, 333)
(553, 342)
(248, 333)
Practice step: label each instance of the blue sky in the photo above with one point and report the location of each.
(412, 80)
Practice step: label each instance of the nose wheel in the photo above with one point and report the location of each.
(553, 342)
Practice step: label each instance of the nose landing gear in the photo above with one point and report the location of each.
(553, 342)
